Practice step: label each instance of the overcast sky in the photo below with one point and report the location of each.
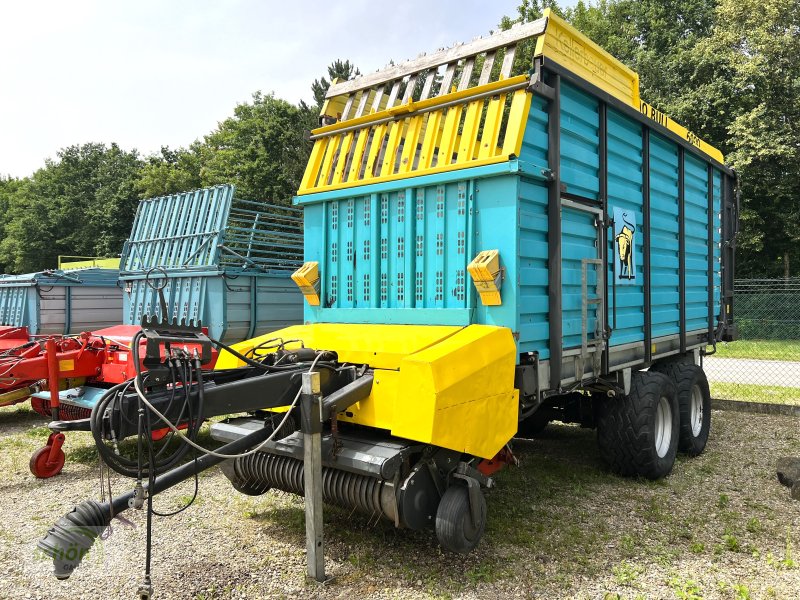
(147, 73)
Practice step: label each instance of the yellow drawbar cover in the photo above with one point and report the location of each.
(447, 386)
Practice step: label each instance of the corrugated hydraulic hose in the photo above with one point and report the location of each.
(68, 541)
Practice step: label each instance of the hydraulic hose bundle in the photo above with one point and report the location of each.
(186, 375)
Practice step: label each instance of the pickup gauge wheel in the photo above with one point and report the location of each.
(455, 526)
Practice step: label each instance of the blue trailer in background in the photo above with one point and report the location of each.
(219, 259)
(197, 258)
(59, 301)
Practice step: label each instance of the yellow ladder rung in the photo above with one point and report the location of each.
(314, 162)
(338, 176)
(469, 132)
(491, 127)
(410, 145)
(374, 149)
(396, 128)
(517, 119)
(358, 154)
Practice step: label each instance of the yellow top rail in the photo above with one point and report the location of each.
(480, 126)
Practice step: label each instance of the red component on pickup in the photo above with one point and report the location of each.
(102, 358)
(491, 466)
(11, 337)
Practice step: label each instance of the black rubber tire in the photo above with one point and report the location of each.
(454, 527)
(626, 428)
(533, 425)
(686, 376)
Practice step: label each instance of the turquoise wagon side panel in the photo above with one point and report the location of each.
(695, 214)
(396, 252)
(399, 253)
(717, 187)
(665, 287)
(625, 183)
(578, 241)
(534, 142)
(580, 142)
(534, 326)
(533, 250)
(496, 216)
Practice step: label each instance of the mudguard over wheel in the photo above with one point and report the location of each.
(455, 527)
(638, 433)
(694, 404)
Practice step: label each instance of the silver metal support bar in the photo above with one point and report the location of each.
(597, 342)
(447, 80)
(469, 50)
(486, 72)
(466, 74)
(312, 466)
(312, 474)
(412, 83)
(508, 62)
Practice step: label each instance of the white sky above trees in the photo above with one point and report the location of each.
(146, 73)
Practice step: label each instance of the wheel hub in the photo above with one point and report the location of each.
(696, 411)
(663, 427)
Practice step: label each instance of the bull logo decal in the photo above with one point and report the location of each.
(624, 230)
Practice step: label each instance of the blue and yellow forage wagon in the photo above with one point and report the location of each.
(497, 235)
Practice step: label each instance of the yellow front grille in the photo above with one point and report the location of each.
(478, 126)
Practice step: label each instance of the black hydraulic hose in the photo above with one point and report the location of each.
(171, 434)
(255, 363)
(118, 463)
(68, 541)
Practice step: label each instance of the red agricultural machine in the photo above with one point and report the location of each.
(11, 337)
(64, 376)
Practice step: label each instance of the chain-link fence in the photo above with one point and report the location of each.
(763, 365)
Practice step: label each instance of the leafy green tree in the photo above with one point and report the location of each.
(81, 203)
(342, 69)
(657, 39)
(729, 71)
(171, 171)
(8, 188)
(262, 149)
(758, 45)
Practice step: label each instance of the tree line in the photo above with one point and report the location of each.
(727, 69)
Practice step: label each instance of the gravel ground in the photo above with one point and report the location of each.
(559, 526)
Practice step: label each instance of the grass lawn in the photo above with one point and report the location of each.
(771, 394)
(761, 349)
